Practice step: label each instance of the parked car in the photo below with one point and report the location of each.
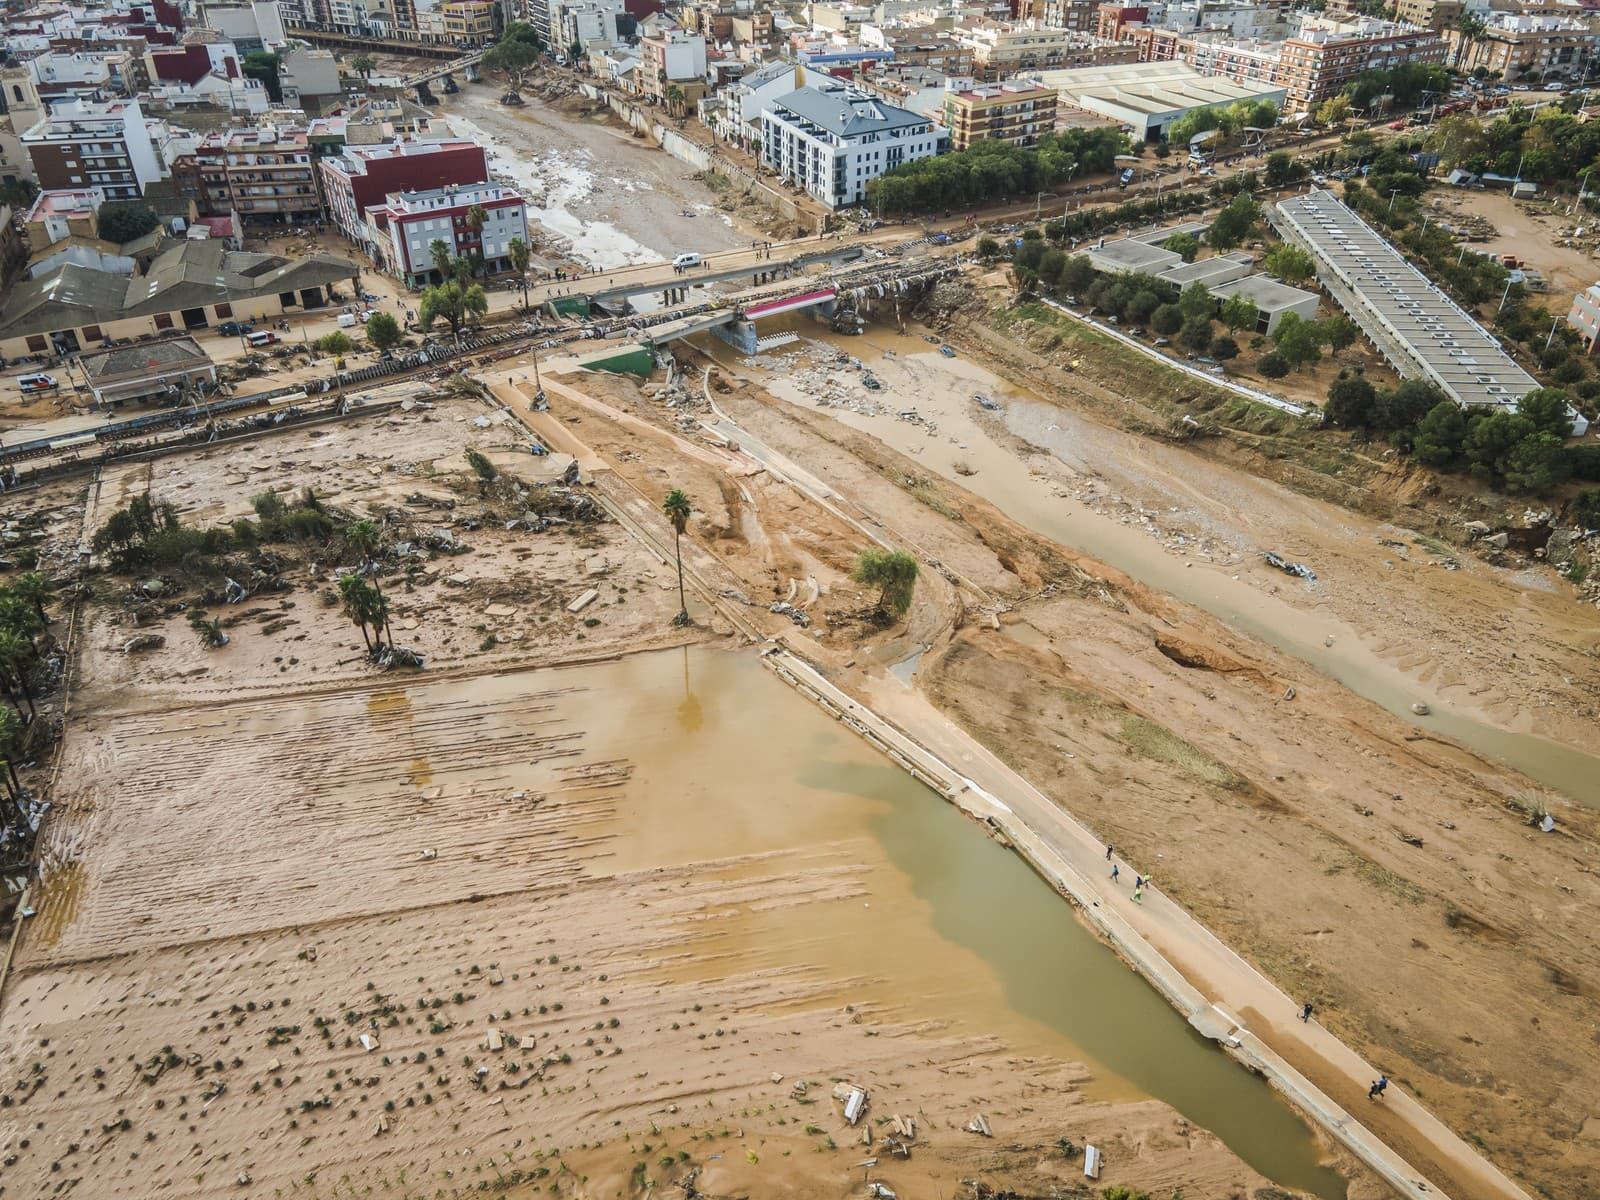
(233, 329)
(262, 337)
(37, 382)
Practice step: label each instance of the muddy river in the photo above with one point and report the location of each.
(951, 929)
(941, 390)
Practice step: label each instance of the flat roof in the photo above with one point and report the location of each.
(1399, 308)
(1269, 295)
(1128, 255)
(1150, 88)
(1154, 237)
(1209, 271)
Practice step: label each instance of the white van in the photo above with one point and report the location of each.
(262, 337)
(684, 261)
(36, 383)
(346, 320)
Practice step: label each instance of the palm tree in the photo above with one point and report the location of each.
(10, 738)
(32, 588)
(362, 537)
(353, 603)
(675, 99)
(519, 254)
(363, 65)
(678, 508)
(439, 250)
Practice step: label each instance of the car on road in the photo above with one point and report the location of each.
(262, 337)
(37, 382)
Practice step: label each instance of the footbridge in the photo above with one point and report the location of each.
(674, 288)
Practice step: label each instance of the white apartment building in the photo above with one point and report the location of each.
(585, 21)
(407, 225)
(834, 140)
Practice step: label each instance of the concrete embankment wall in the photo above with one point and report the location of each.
(704, 156)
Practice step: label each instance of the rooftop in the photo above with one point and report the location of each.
(1267, 293)
(1420, 329)
(66, 202)
(1149, 87)
(845, 112)
(173, 353)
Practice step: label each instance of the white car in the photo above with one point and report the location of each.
(37, 382)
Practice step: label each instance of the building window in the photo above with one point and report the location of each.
(37, 344)
(163, 321)
(91, 333)
(224, 311)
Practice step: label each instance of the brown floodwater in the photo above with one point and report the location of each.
(941, 389)
(944, 926)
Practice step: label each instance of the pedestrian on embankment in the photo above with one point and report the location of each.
(1114, 872)
(1305, 1012)
(1379, 1086)
(1108, 853)
(1138, 893)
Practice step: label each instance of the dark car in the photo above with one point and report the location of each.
(232, 329)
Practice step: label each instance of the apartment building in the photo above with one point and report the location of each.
(1437, 15)
(834, 140)
(1585, 316)
(84, 144)
(673, 58)
(1001, 50)
(1518, 44)
(1312, 65)
(1018, 113)
(56, 216)
(364, 176)
(1113, 21)
(266, 175)
(407, 224)
(468, 22)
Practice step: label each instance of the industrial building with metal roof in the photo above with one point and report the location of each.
(1149, 96)
(1420, 330)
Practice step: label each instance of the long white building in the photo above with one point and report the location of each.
(833, 140)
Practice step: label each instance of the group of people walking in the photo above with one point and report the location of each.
(1140, 882)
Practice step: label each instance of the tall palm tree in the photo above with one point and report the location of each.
(440, 251)
(353, 603)
(362, 537)
(16, 651)
(519, 254)
(678, 507)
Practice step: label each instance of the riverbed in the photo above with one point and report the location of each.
(926, 407)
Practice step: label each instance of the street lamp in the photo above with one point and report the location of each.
(1038, 203)
(1394, 191)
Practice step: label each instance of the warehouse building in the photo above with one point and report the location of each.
(1149, 96)
(1420, 330)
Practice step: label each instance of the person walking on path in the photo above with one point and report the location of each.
(1138, 893)
(1108, 853)
(1379, 1086)
(1305, 1013)
(1114, 872)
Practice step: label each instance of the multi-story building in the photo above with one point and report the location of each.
(1585, 315)
(1002, 50)
(1112, 21)
(1316, 62)
(585, 21)
(407, 224)
(83, 144)
(468, 22)
(363, 176)
(252, 27)
(674, 58)
(1018, 113)
(833, 140)
(1437, 15)
(1518, 44)
(266, 175)
(63, 214)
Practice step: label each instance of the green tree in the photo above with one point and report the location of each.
(336, 343)
(988, 248)
(1441, 434)
(1234, 223)
(1586, 508)
(1223, 348)
(1239, 312)
(32, 588)
(481, 466)
(1547, 409)
(1185, 245)
(355, 603)
(383, 332)
(1167, 320)
(1289, 263)
(674, 99)
(1339, 332)
(519, 254)
(265, 66)
(1195, 336)
(17, 654)
(1296, 341)
(1351, 398)
(1273, 365)
(1281, 169)
(477, 218)
(1536, 464)
(1195, 302)
(677, 507)
(126, 221)
(1076, 276)
(1400, 409)
(454, 303)
(892, 572)
(363, 65)
(1490, 440)
(511, 58)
